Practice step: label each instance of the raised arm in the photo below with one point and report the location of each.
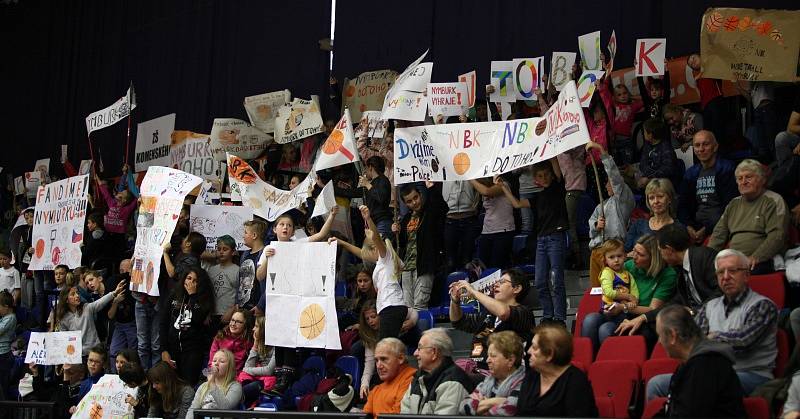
(488, 191)
(516, 203)
(325, 231)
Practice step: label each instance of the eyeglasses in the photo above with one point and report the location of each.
(419, 348)
(731, 271)
(234, 321)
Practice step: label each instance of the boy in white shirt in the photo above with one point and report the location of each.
(9, 276)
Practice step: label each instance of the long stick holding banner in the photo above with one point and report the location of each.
(599, 191)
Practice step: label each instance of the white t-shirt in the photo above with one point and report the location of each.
(9, 279)
(389, 291)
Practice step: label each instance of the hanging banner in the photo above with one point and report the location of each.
(589, 47)
(405, 100)
(528, 77)
(267, 201)
(447, 99)
(153, 142)
(231, 135)
(54, 348)
(484, 149)
(371, 125)
(750, 44)
(650, 57)
(58, 223)
(340, 147)
(194, 154)
(297, 120)
(367, 91)
(469, 79)
(587, 86)
(106, 400)
(561, 68)
(301, 307)
(162, 193)
(262, 109)
(112, 114)
(213, 221)
(502, 79)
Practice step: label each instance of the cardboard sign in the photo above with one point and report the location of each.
(650, 57)
(371, 125)
(527, 76)
(162, 193)
(750, 44)
(405, 100)
(153, 142)
(589, 47)
(214, 221)
(54, 348)
(267, 201)
(58, 223)
(484, 149)
(230, 135)
(109, 116)
(194, 153)
(340, 147)
(301, 307)
(561, 69)
(447, 99)
(502, 79)
(587, 86)
(106, 400)
(297, 120)
(367, 91)
(469, 79)
(262, 109)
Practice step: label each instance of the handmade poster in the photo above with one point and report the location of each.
(19, 185)
(300, 310)
(297, 120)
(528, 77)
(54, 348)
(448, 99)
(371, 125)
(267, 201)
(162, 193)
(561, 68)
(587, 86)
(32, 182)
(213, 221)
(42, 166)
(405, 100)
(502, 79)
(650, 57)
(58, 223)
(109, 116)
(340, 147)
(230, 135)
(484, 285)
(153, 142)
(106, 400)
(85, 167)
(612, 45)
(589, 47)
(325, 201)
(484, 149)
(367, 91)
(469, 79)
(262, 109)
(194, 153)
(204, 196)
(750, 44)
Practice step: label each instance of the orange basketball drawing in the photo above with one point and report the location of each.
(241, 171)
(334, 142)
(312, 321)
(461, 163)
(39, 248)
(714, 22)
(70, 349)
(350, 91)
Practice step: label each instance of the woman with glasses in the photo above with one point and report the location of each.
(236, 337)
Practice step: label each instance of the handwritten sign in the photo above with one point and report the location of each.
(106, 400)
(153, 142)
(367, 91)
(58, 223)
(561, 68)
(527, 77)
(502, 79)
(230, 135)
(297, 120)
(262, 109)
(371, 125)
(469, 79)
(213, 221)
(406, 98)
(447, 99)
(109, 116)
(589, 47)
(54, 348)
(194, 153)
(650, 57)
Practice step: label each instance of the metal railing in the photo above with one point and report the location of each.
(28, 410)
(236, 414)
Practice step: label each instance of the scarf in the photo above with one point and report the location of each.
(504, 389)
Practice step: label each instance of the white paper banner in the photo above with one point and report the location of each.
(112, 114)
(406, 100)
(194, 154)
(482, 149)
(297, 120)
(502, 77)
(561, 68)
(371, 125)
(589, 47)
(447, 99)
(267, 201)
(42, 166)
(262, 109)
(587, 86)
(527, 76)
(469, 79)
(325, 201)
(301, 311)
(230, 135)
(106, 400)
(214, 221)
(85, 167)
(32, 182)
(58, 223)
(54, 348)
(153, 142)
(340, 147)
(162, 193)
(650, 57)
(367, 91)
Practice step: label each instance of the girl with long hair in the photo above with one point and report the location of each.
(74, 314)
(235, 337)
(221, 391)
(260, 365)
(170, 396)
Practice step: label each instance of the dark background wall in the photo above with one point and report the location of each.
(198, 58)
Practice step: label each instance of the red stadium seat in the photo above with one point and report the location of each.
(617, 381)
(605, 407)
(653, 367)
(582, 353)
(589, 304)
(782, 342)
(631, 348)
(770, 286)
(659, 352)
(756, 407)
(653, 407)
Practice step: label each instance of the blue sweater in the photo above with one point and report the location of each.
(724, 189)
(8, 326)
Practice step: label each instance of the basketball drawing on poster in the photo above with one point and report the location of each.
(54, 348)
(300, 310)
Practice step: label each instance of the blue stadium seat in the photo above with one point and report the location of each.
(520, 240)
(316, 363)
(341, 289)
(425, 321)
(349, 364)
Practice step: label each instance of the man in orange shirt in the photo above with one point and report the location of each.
(395, 374)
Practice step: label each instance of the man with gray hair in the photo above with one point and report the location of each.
(741, 318)
(754, 222)
(395, 374)
(440, 385)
